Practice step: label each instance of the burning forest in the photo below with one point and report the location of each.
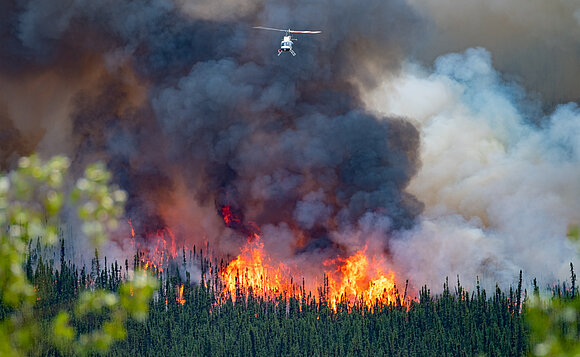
(399, 147)
(354, 280)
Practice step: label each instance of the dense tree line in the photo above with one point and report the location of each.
(198, 319)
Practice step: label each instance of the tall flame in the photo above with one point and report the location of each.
(180, 298)
(159, 248)
(252, 269)
(352, 280)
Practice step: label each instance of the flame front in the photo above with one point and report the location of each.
(155, 252)
(352, 281)
(252, 270)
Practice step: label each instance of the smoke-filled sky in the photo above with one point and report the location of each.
(443, 135)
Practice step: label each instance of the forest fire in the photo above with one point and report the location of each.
(229, 217)
(180, 298)
(159, 248)
(356, 279)
(350, 280)
(253, 270)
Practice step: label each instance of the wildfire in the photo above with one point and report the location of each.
(251, 269)
(352, 280)
(148, 264)
(229, 217)
(180, 298)
(358, 279)
(159, 248)
(132, 229)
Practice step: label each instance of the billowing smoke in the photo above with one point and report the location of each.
(500, 185)
(194, 112)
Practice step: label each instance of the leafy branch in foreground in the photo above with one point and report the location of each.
(555, 320)
(32, 198)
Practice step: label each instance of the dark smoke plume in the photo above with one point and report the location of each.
(193, 111)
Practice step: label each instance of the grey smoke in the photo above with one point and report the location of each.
(193, 111)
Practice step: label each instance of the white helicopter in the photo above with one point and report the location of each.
(286, 44)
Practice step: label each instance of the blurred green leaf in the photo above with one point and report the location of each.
(31, 200)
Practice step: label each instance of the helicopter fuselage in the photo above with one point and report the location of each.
(286, 44)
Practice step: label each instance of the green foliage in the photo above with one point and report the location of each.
(131, 301)
(555, 320)
(31, 199)
(554, 326)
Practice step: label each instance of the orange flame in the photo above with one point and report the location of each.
(251, 269)
(180, 298)
(354, 281)
(132, 230)
(351, 280)
(158, 250)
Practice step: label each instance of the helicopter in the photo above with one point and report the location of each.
(286, 44)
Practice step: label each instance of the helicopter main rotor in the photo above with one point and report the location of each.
(286, 44)
(286, 31)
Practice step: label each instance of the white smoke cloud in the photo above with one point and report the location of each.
(500, 192)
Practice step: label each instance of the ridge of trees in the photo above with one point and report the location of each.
(203, 322)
